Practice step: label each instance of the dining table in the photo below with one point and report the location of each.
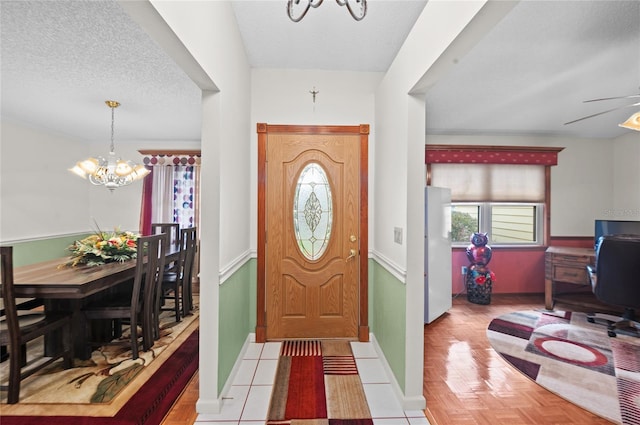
(68, 288)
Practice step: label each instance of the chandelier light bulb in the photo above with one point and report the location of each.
(110, 172)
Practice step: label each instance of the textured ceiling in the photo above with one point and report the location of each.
(327, 38)
(532, 72)
(62, 59)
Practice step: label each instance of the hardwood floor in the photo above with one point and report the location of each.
(466, 382)
(183, 411)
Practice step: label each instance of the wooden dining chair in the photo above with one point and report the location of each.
(22, 304)
(176, 284)
(17, 328)
(170, 229)
(136, 307)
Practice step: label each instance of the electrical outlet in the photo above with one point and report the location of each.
(463, 270)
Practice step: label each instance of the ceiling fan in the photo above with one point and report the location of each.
(635, 118)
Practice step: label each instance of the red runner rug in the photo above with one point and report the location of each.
(148, 406)
(317, 383)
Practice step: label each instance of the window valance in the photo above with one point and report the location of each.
(171, 157)
(480, 154)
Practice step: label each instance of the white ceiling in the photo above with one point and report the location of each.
(532, 72)
(62, 59)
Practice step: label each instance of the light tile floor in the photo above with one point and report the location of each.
(247, 402)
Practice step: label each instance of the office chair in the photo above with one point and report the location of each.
(616, 278)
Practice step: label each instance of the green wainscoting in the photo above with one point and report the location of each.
(387, 296)
(387, 311)
(253, 293)
(237, 317)
(35, 251)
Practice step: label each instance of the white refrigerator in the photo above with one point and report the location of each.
(437, 252)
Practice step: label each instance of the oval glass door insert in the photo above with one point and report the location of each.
(312, 211)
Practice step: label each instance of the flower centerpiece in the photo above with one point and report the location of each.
(104, 247)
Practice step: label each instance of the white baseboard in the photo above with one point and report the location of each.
(236, 366)
(408, 403)
(211, 407)
(208, 407)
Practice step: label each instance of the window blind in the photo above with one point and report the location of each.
(491, 182)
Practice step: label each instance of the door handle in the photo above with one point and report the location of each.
(352, 253)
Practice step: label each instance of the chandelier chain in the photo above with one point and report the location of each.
(112, 115)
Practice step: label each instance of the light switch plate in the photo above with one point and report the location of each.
(397, 235)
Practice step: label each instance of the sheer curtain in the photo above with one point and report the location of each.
(174, 195)
(162, 194)
(184, 195)
(171, 191)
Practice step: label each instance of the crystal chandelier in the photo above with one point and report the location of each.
(357, 8)
(110, 172)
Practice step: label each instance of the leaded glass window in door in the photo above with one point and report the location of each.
(312, 211)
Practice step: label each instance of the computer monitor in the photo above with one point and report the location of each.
(615, 227)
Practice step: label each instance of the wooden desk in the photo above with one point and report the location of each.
(565, 265)
(68, 288)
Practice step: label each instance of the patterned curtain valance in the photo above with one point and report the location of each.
(477, 154)
(171, 157)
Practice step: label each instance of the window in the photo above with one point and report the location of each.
(506, 223)
(312, 211)
(500, 190)
(503, 200)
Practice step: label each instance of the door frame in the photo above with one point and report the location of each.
(263, 131)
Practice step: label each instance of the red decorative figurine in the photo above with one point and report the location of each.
(479, 279)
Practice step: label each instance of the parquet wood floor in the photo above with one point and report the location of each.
(466, 382)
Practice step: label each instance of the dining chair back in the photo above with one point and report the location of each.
(177, 283)
(172, 230)
(17, 327)
(137, 307)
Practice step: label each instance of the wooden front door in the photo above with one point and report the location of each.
(310, 282)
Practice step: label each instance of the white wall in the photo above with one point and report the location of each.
(581, 185)
(51, 201)
(209, 33)
(626, 179)
(48, 200)
(281, 96)
(442, 27)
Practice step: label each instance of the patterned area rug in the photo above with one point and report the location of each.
(575, 359)
(147, 405)
(317, 383)
(102, 377)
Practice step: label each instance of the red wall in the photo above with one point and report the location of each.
(517, 270)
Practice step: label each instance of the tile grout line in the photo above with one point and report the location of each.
(244, 404)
